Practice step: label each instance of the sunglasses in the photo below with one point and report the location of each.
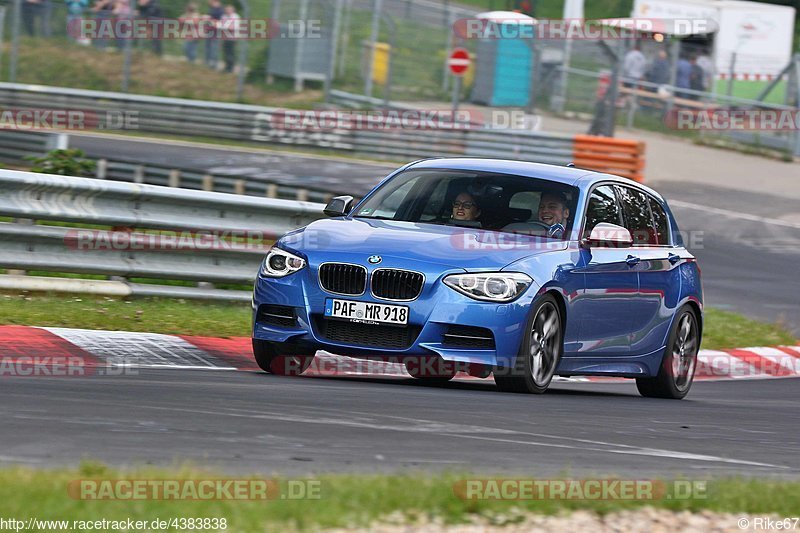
(465, 205)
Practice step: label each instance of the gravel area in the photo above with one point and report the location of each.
(645, 520)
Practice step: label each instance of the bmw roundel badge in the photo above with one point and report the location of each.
(374, 259)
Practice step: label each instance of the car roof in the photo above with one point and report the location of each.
(578, 177)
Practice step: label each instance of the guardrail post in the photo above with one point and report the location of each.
(302, 195)
(208, 182)
(238, 186)
(59, 141)
(272, 190)
(174, 178)
(101, 169)
(27, 222)
(138, 174)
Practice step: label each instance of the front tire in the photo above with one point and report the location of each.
(540, 352)
(678, 366)
(269, 360)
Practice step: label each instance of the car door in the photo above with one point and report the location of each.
(603, 310)
(655, 264)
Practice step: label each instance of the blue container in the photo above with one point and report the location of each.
(504, 68)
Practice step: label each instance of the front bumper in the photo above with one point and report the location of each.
(437, 307)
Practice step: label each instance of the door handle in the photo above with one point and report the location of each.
(673, 258)
(632, 260)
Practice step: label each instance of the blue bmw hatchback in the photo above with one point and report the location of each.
(521, 270)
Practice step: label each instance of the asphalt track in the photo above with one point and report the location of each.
(748, 244)
(248, 422)
(285, 168)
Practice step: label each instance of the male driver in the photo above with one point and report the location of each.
(553, 209)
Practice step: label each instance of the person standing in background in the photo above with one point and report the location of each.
(31, 13)
(75, 9)
(705, 63)
(229, 25)
(150, 10)
(190, 22)
(122, 10)
(102, 9)
(683, 77)
(697, 78)
(215, 12)
(633, 66)
(660, 70)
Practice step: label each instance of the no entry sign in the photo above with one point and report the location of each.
(459, 61)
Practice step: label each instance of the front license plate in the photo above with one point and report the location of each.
(367, 312)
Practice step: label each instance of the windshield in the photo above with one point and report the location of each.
(496, 202)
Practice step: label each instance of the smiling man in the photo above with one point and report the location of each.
(553, 209)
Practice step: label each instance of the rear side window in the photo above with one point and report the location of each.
(660, 221)
(638, 220)
(603, 207)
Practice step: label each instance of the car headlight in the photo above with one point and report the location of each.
(280, 263)
(490, 286)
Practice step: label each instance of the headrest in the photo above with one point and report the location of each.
(519, 214)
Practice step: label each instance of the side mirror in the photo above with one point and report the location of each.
(339, 206)
(610, 235)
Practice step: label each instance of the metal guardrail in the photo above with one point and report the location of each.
(233, 232)
(16, 145)
(170, 176)
(264, 124)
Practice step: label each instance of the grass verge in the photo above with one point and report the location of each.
(59, 63)
(353, 500)
(722, 329)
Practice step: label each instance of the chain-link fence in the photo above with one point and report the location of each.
(315, 39)
(45, 43)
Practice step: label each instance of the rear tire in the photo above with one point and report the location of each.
(678, 366)
(540, 352)
(269, 360)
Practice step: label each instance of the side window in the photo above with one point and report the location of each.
(638, 220)
(603, 207)
(660, 220)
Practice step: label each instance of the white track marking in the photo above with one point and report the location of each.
(133, 349)
(734, 214)
(784, 360)
(652, 452)
(727, 366)
(12, 459)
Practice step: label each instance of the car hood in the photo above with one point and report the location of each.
(448, 246)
